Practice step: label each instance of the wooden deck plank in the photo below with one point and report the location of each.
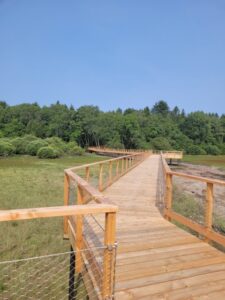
(154, 256)
(168, 286)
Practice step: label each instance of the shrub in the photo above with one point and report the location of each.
(56, 142)
(47, 152)
(34, 146)
(20, 145)
(222, 148)
(161, 143)
(30, 138)
(6, 148)
(74, 149)
(195, 150)
(212, 149)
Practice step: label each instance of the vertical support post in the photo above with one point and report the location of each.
(71, 295)
(109, 252)
(110, 172)
(122, 169)
(169, 191)
(100, 187)
(79, 232)
(66, 203)
(209, 208)
(126, 163)
(87, 173)
(117, 168)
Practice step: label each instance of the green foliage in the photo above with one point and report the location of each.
(59, 124)
(212, 149)
(115, 142)
(20, 146)
(222, 148)
(161, 143)
(195, 150)
(73, 149)
(20, 143)
(48, 152)
(161, 107)
(6, 148)
(58, 143)
(29, 138)
(34, 146)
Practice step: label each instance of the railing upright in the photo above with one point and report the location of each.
(109, 255)
(110, 172)
(66, 203)
(169, 195)
(79, 232)
(209, 207)
(100, 179)
(87, 173)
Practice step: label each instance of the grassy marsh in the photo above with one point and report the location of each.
(30, 182)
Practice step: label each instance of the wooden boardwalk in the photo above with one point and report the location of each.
(156, 259)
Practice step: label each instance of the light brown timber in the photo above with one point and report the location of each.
(156, 259)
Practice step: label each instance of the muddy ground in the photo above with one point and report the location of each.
(198, 189)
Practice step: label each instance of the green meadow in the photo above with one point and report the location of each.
(27, 181)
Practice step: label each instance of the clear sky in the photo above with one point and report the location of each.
(114, 53)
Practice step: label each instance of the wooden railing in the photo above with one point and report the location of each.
(117, 151)
(178, 155)
(114, 168)
(89, 231)
(173, 154)
(206, 230)
(75, 214)
(89, 220)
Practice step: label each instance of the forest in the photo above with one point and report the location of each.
(158, 127)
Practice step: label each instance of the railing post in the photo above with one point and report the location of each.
(100, 187)
(209, 208)
(87, 173)
(169, 191)
(109, 256)
(79, 233)
(126, 163)
(110, 172)
(71, 291)
(122, 168)
(66, 203)
(117, 168)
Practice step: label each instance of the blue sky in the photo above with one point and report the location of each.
(114, 53)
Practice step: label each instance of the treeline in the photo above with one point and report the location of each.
(158, 127)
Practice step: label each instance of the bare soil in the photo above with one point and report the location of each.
(198, 189)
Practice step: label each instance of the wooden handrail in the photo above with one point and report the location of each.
(198, 178)
(116, 150)
(207, 229)
(55, 211)
(102, 162)
(113, 169)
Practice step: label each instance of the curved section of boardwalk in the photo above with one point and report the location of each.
(156, 259)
